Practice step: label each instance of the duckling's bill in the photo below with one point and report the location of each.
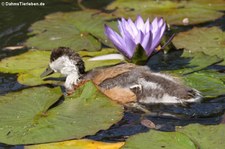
(48, 71)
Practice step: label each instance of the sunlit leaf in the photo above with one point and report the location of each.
(77, 144)
(25, 62)
(33, 78)
(28, 117)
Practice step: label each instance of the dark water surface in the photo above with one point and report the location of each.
(14, 26)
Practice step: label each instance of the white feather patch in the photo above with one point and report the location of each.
(107, 57)
(66, 67)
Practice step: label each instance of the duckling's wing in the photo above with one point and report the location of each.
(99, 75)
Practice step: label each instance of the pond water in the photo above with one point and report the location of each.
(14, 26)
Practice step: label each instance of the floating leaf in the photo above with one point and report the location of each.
(25, 62)
(173, 11)
(28, 117)
(206, 137)
(158, 140)
(77, 144)
(209, 83)
(33, 78)
(78, 30)
(208, 40)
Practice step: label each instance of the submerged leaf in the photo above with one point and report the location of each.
(29, 116)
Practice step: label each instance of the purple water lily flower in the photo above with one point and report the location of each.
(139, 32)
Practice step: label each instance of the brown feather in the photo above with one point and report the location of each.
(119, 94)
(100, 75)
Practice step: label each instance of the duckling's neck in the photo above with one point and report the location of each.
(71, 80)
(67, 67)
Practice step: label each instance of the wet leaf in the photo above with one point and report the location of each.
(158, 140)
(173, 11)
(182, 61)
(78, 30)
(28, 117)
(77, 144)
(209, 83)
(205, 137)
(211, 41)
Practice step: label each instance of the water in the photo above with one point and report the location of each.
(14, 26)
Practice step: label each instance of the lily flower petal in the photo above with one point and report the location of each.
(117, 41)
(146, 44)
(139, 23)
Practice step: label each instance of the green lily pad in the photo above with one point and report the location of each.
(208, 82)
(28, 117)
(208, 40)
(33, 78)
(173, 11)
(25, 62)
(78, 30)
(181, 61)
(206, 137)
(158, 140)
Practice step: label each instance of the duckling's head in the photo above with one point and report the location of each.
(67, 62)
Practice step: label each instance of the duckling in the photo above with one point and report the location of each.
(125, 83)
